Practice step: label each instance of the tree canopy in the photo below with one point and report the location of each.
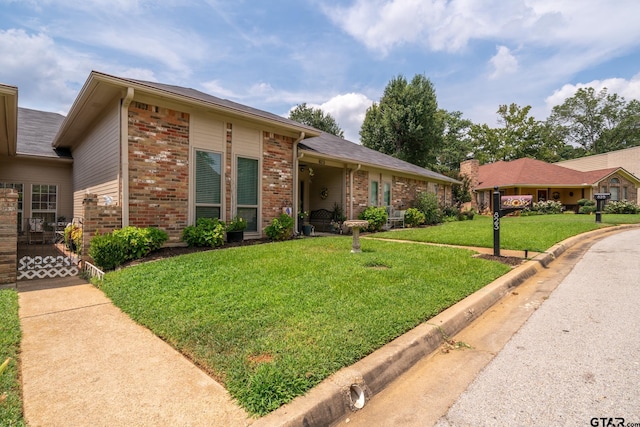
(316, 118)
(405, 123)
(598, 122)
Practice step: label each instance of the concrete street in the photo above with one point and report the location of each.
(562, 349)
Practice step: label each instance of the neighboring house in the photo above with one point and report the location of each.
(546, 181)
(150, 154)
(40, 174)
(629, 159)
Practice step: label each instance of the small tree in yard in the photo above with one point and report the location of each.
(462, 193)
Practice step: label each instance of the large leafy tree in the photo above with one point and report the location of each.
(597, 122)
(405, 123)
(317, 118)
(519, 135)
(456, 142)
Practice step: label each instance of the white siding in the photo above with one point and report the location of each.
(246, 141)
(207, 132)
(97, 161)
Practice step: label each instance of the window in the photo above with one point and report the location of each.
(247, 191)
(18, 189)
(44, 202)
(625, 193)
(387, 194)
(373, 196)
(614, 193)
(208, 184)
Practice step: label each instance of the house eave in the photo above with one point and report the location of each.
(9, 117)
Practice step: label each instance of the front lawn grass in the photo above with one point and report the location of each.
(271, 321)
(534, 233)
(11, 404)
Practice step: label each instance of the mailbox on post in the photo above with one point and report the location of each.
(601, 198)
(503, 205)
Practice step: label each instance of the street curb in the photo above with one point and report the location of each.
(343, 392)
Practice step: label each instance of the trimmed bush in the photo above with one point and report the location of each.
(413, 217)
(427, 203)
(377, 217)
(281, 228)
(73, 238)
(113, 249)
(587, 209)
(621, 207)
(108, 251)
(547, 207)
(206, 232)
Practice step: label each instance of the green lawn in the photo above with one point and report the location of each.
(271, 321)
(11, 407)
(535, 233)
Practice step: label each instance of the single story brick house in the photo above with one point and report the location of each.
(546, 181)
(151, 154)
(628, 158)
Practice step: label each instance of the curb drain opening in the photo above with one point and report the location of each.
(357, 396)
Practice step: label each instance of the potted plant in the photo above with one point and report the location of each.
(235, 229)
(302, 215)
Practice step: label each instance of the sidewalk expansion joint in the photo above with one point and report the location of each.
(64, 311)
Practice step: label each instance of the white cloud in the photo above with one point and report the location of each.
(348, 110)
(503, 62)
(629, 89)
(214, 88)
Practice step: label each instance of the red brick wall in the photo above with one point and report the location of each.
(158, 168)
(277, 175)
(360, 192)
(406, 191)
(8, 237)
(102, 219)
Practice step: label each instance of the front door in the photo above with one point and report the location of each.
(542, 195)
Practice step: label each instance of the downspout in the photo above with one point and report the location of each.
(296, 168)
(351, 190)
(124, 154)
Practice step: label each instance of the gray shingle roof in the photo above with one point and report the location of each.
(36, 131)
(204, 97)
(333, 146)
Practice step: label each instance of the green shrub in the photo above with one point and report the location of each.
(413, 217)
(377, 217)
(113, 249)
(587, 209)
(427, 203)
(468, 214)
(583, 202)
(621, 207)
(208, 232)
(108, 251)
(451, 213)
(73, 238)
(547, 207)
(281, 228)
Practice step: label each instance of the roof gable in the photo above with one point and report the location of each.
(531, 172)
(36, 131)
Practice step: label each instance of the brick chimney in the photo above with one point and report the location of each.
(471, 168)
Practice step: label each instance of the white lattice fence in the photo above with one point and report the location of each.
(42, 267)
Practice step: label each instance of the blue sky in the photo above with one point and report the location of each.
(334, 54)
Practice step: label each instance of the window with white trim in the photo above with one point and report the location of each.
(386, 193)
(18, 188)
(208, 200)
(247, 191)
(44, 202)
(373, 195)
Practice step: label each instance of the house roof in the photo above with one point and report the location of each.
(8, 119)
(528, 172)
(36, 130)
(342, 149)
(101, 89)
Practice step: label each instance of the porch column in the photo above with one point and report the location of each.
(8, 238)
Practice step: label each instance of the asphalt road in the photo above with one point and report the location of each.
(578, 356)
(562, 349)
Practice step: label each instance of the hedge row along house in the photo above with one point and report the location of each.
(149, 154)
(546, 181)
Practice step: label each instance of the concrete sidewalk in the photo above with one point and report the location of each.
(85, 363)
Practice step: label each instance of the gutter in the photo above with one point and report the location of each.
(296, 183)
(124, 154)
